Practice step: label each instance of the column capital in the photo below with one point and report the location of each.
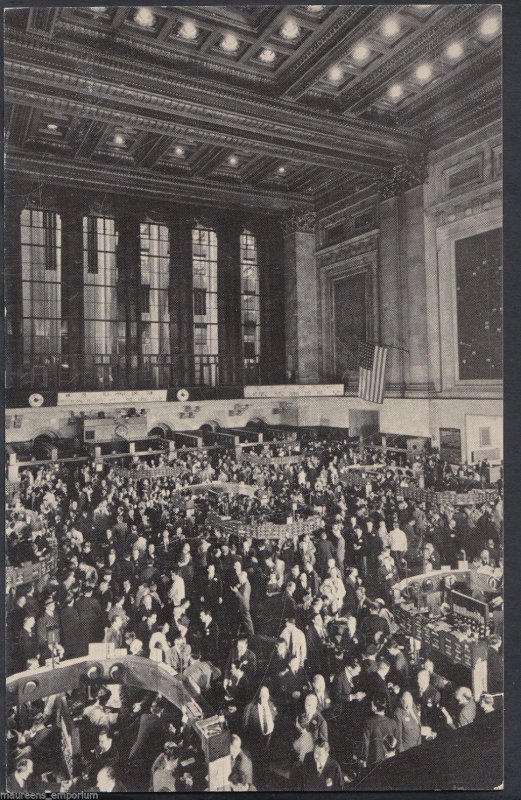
(410, 173)
(299, 220)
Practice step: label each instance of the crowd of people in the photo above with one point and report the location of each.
(293, 640)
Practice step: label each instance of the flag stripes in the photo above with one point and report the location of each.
(371, 382)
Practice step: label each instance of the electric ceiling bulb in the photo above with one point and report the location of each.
(490, 25)
(390, 27)
(144, 17)
(281, 170)
(267, 56)
(335, 73)
(424, 72)
(454, 50)
(233, 161)
(361, 53)
(229, 43)
(315, 9)
(52, 126)
(119, 139)
(179, 151)
(290, 29)
(189, 30)
(396, 91)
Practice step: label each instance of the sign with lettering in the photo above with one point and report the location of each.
(293, 390)
(130, 396)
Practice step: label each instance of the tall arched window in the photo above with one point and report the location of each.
(41, 293)
(101, 327)
(204, 270)
(153, 302)
(250, 302)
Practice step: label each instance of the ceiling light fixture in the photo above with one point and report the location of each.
(396, 91)
(233, 161)
(119, 140)
(52, 126)
(361, 53)
(267, 56)
(189, 30)
(98, 9)
(229, 43)
(144, 17)
(290, 30)
(424, 72)
(490, 26)
(390, 27)
(281, 170)
(335, 73)
(315, 9)
(179, 151)
(454, 51)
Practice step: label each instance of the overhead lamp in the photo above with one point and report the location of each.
(335, 73)
(52, 126)
(229, 43)
(290, 30)
(119, 140)
(188, 30)
(267, 56)
(424, 72)
(390, 27)
(97, 9)
(281, 170)
(315, 9)
(490, 25)
(454, 51)
(361, 53)
(233, 161)
(144, 17)
(179, 151)
(395, 91)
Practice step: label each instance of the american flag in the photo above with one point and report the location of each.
(371, 382)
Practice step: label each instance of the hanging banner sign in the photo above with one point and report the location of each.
(130, 396)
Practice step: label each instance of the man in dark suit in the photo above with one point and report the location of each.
(208, 636)
(351, 585)
(243, 594)
(376, 728)
(151, 736)
(319, 771)
(244, 656)
(258, 725)
(324, 551)
(91, 618)
(377, 684)
(239, 760)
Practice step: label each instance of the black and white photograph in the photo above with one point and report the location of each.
(253, 347)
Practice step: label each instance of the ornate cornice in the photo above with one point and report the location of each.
(135, 182)
(299, 221)
(458, 209)
(411, 173)
(366, 243)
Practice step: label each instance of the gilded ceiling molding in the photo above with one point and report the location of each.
(299, 221)
(411, 173)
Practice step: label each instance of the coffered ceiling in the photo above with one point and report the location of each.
(261, 105)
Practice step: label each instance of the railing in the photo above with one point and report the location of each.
(79, 372)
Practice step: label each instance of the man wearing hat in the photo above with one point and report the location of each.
(70, 628)
(48, 629)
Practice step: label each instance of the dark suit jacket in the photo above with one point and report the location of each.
(376, 728)
(151, 735)
(408, 731)
(251, 718)
(330, 778)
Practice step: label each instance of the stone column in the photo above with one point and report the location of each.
(72, 295)
(13, 289)
(129, 280)
(229, 301)
(272, 306)
(301, 297)
(181, 300)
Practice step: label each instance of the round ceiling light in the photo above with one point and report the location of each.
(290, 30)
(233, 161)
(281, 170)
(424, 72)
(189, 30)
(179, 151)
(490, 25)
(390, 27)
(396, 91)
(315, 9)
(361, 53)
(454, 51)
(229, 43)
(119, 140)
(267, 56)
(144, 17)
(52, 126)
(335, 73)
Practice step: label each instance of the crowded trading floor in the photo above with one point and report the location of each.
(287, 593)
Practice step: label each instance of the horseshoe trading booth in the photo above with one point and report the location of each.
(447, 615)
(130, 671)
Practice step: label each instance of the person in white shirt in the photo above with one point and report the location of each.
(398, 543)
(295, 640)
